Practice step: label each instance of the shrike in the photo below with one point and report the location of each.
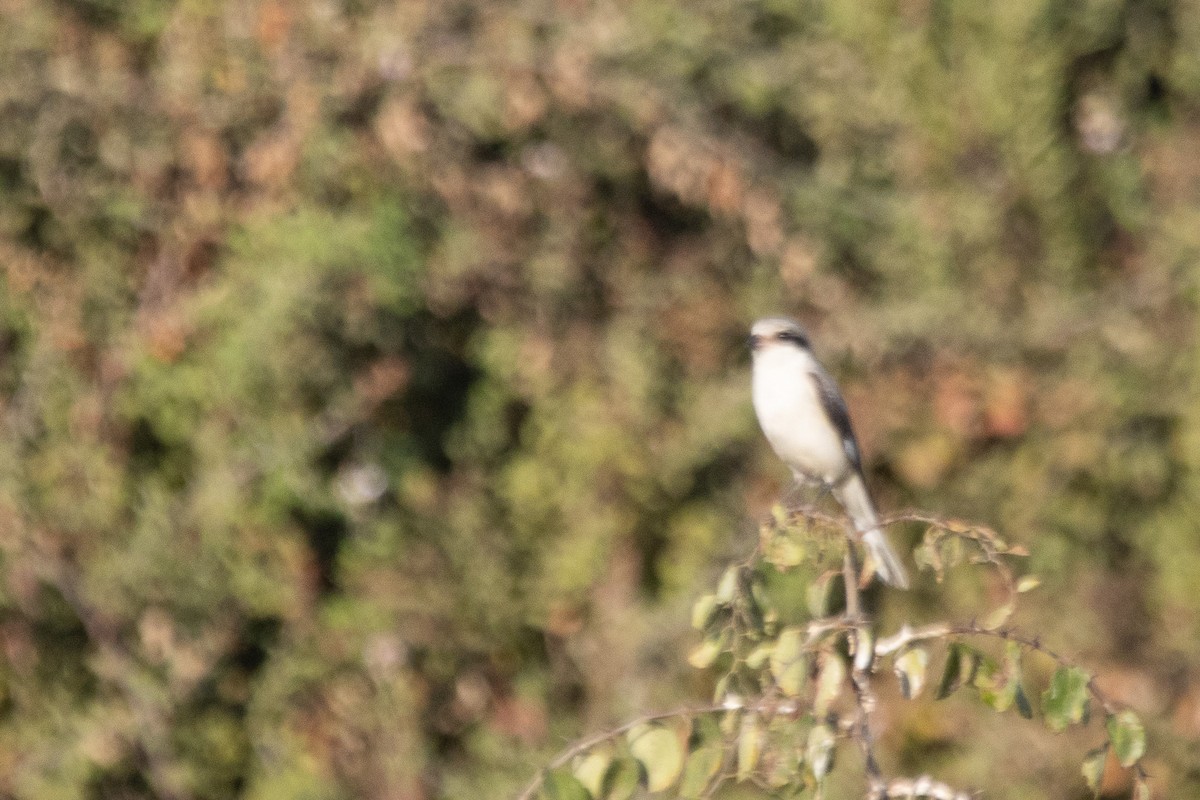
(806, 422)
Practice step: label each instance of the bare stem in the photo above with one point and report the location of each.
(860, 675)
(865, 698)
(850, 573)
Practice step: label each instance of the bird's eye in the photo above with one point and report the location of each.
(794, 337)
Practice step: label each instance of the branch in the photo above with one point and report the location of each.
(907, 635)
(860, 673)
(942, 630)
(583, 745)
(924, 786)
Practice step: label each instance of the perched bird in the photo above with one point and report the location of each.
(806, 422)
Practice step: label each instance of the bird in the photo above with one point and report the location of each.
(807, 424)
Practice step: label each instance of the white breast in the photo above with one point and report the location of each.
(791, 415)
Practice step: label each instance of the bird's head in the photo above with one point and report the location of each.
(767, 334)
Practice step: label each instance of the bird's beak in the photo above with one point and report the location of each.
(752, 342)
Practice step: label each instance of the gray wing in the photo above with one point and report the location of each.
(835, 409)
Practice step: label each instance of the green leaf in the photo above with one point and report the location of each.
(658, 751)
(784, 551)
(1128, 737)
(820, 595)
(705, 653)
(951, 551)
(829, 682)
(1065, 701)
(910, 671)
(722, 687)
(622, 779)
(703, 611)
(819, 751)
(701, 767)
(759, 655)
(1028, 583)
(926, 557)
(780, 773)
(793, 679)
(961, 663)
(789, 665)
(998, 616)
(727, 588)
(592, 769)
(750, 740)
(1021, 701)
(1093, 767)
(705, 731)
(756, 605)
(787, 646)
(998, 684)
(562, 785)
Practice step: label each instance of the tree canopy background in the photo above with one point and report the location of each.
(373, 390)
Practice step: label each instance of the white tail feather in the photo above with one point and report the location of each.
(887, 563)
(854, 498)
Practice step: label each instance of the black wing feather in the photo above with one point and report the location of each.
(839, 415)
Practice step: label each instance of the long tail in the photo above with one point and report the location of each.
(854, 498)
(887, 563)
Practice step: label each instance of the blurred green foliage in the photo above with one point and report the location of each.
(371, 380)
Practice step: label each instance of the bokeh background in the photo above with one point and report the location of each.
(373, 389)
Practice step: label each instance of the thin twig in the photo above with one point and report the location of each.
(850, 573)
(865, 698)
(942, 630)
(860, 673)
